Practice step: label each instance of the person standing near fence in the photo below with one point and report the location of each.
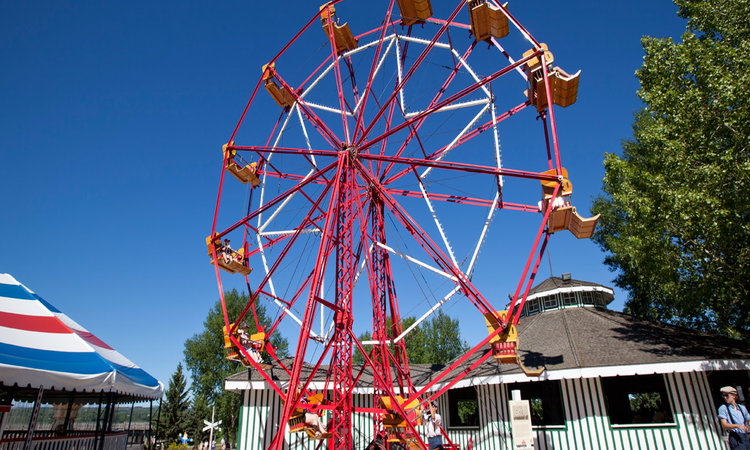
(434, 422)
(735, 419)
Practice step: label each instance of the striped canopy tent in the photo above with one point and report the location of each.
(42, 347)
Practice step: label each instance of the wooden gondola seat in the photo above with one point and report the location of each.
(504, 345)
(567, 218)
(231, 350)
(396, 429)
(235, 265)
(563, 215)
(315, 436)
(297, 418)
(394, 418)
(414, 11)
(548, 187)
(563, 86)
(559, 219)
(246, 174)
(487, 20)
(342, 35)
(257, 344)
(535, 63)
(581, 227)
(282, 96)
(566, 87)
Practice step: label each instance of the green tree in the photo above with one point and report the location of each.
(199, 412)
(676, 205)
(205, 359)
(175, 408)
(435, 341)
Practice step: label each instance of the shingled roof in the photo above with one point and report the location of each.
(577, 338)
(572, 342)
(552, 283)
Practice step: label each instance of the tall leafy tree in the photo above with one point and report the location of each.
(175, 408)
(435, 341)
(440, 342)
(676, 204)
(205, 359)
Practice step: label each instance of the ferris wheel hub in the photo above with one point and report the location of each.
(352, 149)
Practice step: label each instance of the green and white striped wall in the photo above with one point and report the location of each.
(586, 426)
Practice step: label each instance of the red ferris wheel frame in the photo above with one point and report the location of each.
(358, 199)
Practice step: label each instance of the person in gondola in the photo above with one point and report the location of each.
(244, 338)
(226, 252)
(313, 421)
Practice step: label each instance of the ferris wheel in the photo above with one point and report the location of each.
(364, 185)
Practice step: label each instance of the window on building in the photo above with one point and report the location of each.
(545, 401)
(463, 407)
(587, 297)
(637, 400)
(739, 379)
(600, 299)
(550, 302)
(569, 298)
(532, 306)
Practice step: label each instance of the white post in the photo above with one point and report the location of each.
(210, 426)
(211, 433)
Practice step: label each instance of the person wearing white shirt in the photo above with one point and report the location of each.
(434, 422)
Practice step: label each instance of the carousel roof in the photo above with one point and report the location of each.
(41, 346)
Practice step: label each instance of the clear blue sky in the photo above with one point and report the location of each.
(113, 115)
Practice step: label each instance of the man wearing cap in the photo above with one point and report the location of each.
(735, 419)
(434, 422)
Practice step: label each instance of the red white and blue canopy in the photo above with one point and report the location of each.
(41, 346)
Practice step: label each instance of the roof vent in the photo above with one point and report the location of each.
(566, 276)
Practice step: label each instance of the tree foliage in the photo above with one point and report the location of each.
(200, 411)
(175, 409)
(205, 359)
(434, 341)
(676, 205)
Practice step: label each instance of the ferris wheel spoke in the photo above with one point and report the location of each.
(278, 199)
(307, 138)
(453, 143)
(429, 312)
(285, 250)
(374, 69)
(274, 237)
(483, 234)
(437, 107)
(435, 219)
(322, 128)
(468, 136)
(428, 245)
(418, 262)
(414, 128)
(337, 73)
(408, 75)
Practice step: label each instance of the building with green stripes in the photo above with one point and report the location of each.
(612, 381)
